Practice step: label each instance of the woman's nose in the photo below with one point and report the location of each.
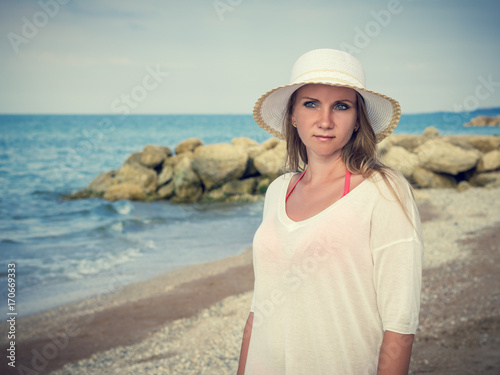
(325, 120)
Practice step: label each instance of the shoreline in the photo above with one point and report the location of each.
(96, 324)
(191, 319)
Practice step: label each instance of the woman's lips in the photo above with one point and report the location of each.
(324, 138)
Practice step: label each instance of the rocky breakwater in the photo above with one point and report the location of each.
(433, 161)
(240, 171)
(484, 121)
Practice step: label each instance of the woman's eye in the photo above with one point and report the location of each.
(310, 104)
(341, 106)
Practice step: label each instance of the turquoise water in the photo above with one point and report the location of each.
(68, 250)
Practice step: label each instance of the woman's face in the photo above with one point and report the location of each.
(325, 117)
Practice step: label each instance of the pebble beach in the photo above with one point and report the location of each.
(190, 321)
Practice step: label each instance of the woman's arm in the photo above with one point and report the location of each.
(247, 333)
(395, 353)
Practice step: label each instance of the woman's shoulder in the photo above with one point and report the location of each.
(279, 181)
(390, 182)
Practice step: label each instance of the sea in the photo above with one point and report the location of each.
(67, 250)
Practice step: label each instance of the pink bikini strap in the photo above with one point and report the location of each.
(295, 184)
(347, 183)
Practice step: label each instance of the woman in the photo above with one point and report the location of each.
(338, 256)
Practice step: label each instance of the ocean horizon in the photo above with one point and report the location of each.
(65, 251)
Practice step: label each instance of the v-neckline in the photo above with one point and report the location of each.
(287, 221)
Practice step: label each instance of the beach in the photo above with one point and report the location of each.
(190, 321)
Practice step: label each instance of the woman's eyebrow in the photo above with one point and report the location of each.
(337, 101)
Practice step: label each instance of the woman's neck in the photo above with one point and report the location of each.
(319, 171)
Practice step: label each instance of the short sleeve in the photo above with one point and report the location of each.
(397, 249)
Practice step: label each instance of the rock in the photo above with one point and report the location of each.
(463, 186)
(484, 121)
(409, 142)
(428, 179)
(153, 156)
(243, 198)
(138, 175)
(384, 146)
(488, 179)
(238, 187)
(219, 163)
(431, 132)
(102, 183)
(252, 148)
(166, 174)
(188, 145)
(398, 158)
(483, 143)
(125, 190)
(166, 191)
(271, 162)
(163, 149)
(270, 143)
(244, 142)
(439, 156)
(263, 185)
(235, 187)
(489, 161)
(187, 184)
(134, 158)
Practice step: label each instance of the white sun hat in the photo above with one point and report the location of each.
(328, 67)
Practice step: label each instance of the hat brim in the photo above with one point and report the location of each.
(270, 110)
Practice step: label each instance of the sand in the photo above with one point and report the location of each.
(190, 321)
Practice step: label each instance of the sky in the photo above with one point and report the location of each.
(220, 56)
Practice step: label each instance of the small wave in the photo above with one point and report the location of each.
(87, 267)
(118, 207)
(123, 207)
(117, 227)
(9, 241)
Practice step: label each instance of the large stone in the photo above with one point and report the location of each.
(263, 185)
(440, 156)
(125, 190)
(235, 187)
(134, 158)
(164, 149)
(431, 132)
(408, 141)
(251, 147)
(219, 163)
(384, 146)
(244, 142)
(187, 184)
(270, 143)
(153, 155)
(488, 179)
(102, 183)
(138, 175)
(188, 145)
(489, 161)
(428, 179)
(271, 162)
(166, 174)
(483, 143)
(398, 158)
(166, 191)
